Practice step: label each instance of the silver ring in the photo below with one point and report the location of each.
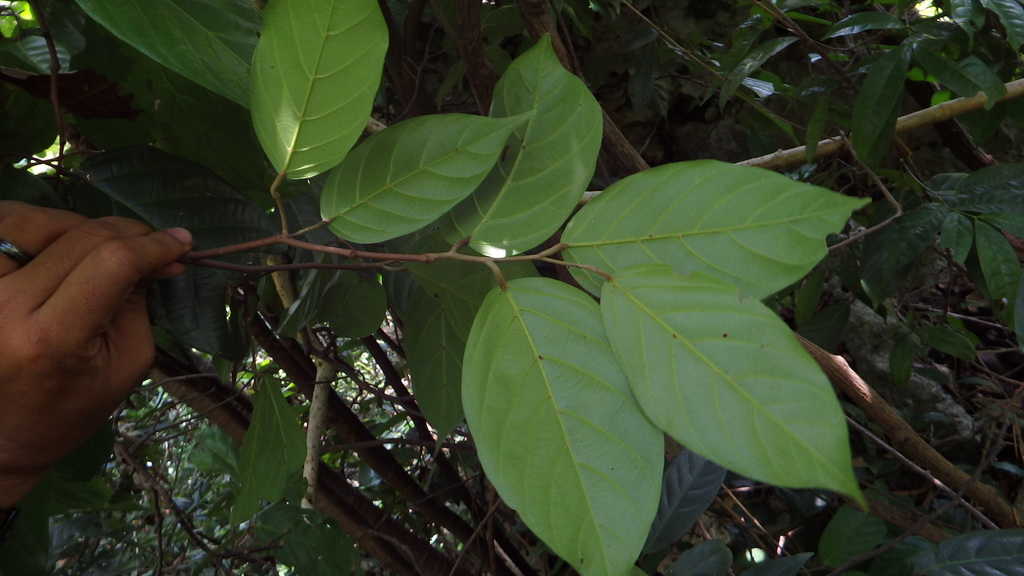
(14, 253)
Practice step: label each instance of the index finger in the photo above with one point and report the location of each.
(100, 286)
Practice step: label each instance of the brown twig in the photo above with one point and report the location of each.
(51, 48)
(904, 438)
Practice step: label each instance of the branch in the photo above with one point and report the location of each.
(784, 159)
(904, 438)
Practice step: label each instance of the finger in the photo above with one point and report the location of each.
(51, 267)
(32, 228)
(101, 285)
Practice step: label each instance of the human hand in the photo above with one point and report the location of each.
(74, 331)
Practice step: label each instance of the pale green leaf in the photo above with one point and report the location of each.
(750, 227)
(434, 351)
(877, 105)
(547, 165)
(405, 177)
(1011, 15)
(557, 428)
(727, 378)
(315, 73)
(863, 22)
(210, 43)
(849, 534)
(273, 446)
(957, 234)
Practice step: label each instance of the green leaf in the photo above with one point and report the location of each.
(978, 553)
(901, 360)
(689, 485)
(315, 73)
(26, 123)
(786, 566)
(900, 560)
(957, 234)
(726, 378)
(1018, 313)
(751, 63)
(24, 186)
(849, 534)
(890, 253)
(708, 558)
(169, 191)
(1011, 15)
(877, 105)
(210, 43)
(191, 307)
(434, 351)
(1010, 222)
(951, 342)
(304, 540)
(863, 22)
(557, 428)
(967, 13)
(750, 227)
(352, 304)
(999, 265)
(966, 77)
(528, 195)
(991, 189)
(402, 178)
(273, 446)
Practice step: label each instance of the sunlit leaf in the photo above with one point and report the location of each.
(314, 76)
(210, 43)
(752, 228)
(273, 446)
(979, 553)
(726, 378)
(556, 426)
(405, 177)
(528, 196)
(877, 105)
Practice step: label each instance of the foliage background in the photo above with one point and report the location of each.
(926, 305)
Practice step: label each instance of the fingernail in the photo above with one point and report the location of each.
(183, 236)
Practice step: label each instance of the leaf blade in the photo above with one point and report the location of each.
(311, 52)
(538, 384)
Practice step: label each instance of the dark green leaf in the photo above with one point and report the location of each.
(877, 105)
(315, 73)
(1011, 15)
(304, 540)
(527, 196)
(169, 191)
(26, 123)
(689, 485)
(708, 558)
(863, 22)
(991, 189)
(1018, 313)
(273, 446)
(786, 566)
(901, 360)
(23, 186)
(957, 234)
(753, 228)
(402, 178)
(1010, 222)
(890, 252)
(434, 350)
(966, 77)
(750, 64)
(215, 452)
(352, 304)
(556, 426)
(191, 308)
(849, 533)
(978, 553)
(210, 43)
(967, 13)
(999, 265)
(726, 377)
(900, 560)
(946, 340)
